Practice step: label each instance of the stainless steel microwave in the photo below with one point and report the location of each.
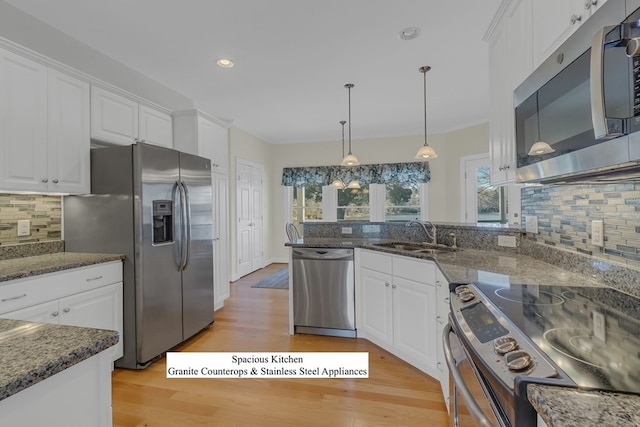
(578, 115)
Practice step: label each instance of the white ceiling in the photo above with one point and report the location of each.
(293, 58)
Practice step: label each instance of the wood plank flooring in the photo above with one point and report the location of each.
(254, 319)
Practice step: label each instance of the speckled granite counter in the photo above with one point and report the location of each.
(18, 268)
(558, 406)
(566, 407)
(31, 352)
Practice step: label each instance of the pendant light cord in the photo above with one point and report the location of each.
(424, 70)
(342, 122)
(349, 86)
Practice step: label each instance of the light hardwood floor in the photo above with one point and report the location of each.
(252, 319)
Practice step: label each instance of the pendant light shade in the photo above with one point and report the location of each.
(338, 183)
(426, 151)
(354, 184)
(349, 159)
(540, 148)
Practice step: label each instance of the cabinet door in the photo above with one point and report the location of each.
(68, 134)
(213, 143)
(114, 119)
(498, 130)
(553, 22)
(377, 316)
(23, 124)
(414, 314)
(155, 127)
(220, 237)
(99, 308)
(44, 313)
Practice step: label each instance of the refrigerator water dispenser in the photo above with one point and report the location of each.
(162, 221)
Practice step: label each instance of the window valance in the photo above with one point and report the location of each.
(387, 173)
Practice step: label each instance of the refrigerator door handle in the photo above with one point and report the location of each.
(183, 227)
(187, 223)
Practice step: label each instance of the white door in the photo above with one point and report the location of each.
(23, 124)
(249, 191)
(220, 238)
(69, 133)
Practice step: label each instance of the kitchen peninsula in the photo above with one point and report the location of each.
(528, 263)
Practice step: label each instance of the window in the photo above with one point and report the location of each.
(491, 200)
(307, 203)
(402, 203)
(353, 204)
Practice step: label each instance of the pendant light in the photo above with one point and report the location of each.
(540, 147)
(349, 159)
(426, 151)
(338, 183)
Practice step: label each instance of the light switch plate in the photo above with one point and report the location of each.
(597, 232)
(24, 227)
(532, 224)
(599, 326)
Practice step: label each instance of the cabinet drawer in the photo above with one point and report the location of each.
(416, 270)
(375, 261)
(20, 293)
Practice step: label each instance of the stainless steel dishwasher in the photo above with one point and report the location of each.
(324, 291)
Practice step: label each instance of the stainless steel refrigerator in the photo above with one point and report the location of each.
(154, 205)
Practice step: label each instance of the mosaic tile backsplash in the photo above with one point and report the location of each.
(565, 213)
(44, 212)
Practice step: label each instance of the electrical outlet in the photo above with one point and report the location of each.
(24, 227)
(347, 230)
(599, 326)
(532, 224)
(597, 232)
(507, 241)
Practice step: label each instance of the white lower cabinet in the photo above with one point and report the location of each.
(89, 297)
(396, 306)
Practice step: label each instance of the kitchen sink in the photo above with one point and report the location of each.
(425, 248)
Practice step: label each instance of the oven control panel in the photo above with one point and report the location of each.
(497, 341)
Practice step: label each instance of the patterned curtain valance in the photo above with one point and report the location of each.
(388, 173)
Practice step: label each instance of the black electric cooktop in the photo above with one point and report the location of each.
(592, 334)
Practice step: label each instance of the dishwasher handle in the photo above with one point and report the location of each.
(322, 253)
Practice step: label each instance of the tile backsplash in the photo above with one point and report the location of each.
(44, 212)
(565, 213)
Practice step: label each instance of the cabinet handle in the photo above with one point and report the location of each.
(66, 310)
(13, 298)
(55, 314)
(439, 365)
(446, 300)
(439, 319)
(386, 284)
(55, 181)
(45, 180)
(438, 284)
(91, 279)
(575, 18)
(393, 286)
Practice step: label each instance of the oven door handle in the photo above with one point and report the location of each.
(472, 405)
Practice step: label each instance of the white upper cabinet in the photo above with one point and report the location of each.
(122, 121)
(510, 62)
(44, 128)
(555, 20)
(69, 134)
(198, 133)
(155, 127)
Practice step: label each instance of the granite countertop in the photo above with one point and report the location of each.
(50, 348)
(19, 268)
(558, 406)
(567, 407)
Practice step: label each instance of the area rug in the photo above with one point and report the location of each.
(278, 280)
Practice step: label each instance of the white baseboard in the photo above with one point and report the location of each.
(235, 276)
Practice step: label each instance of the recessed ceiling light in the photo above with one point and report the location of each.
(224, 63)
(409, 33)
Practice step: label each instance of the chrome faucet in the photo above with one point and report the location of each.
(430, 235)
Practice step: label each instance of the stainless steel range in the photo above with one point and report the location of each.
(503, 336)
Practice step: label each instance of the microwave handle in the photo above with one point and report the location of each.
(458, 381)
(597, 84)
